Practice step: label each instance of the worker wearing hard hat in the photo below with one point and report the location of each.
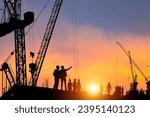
(63, 75)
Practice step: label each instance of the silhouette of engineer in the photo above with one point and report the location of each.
(63, 75)
(69, 85)
(101, 90)
(78, 86)
(108, 88)
(56, 75)
(74, 85)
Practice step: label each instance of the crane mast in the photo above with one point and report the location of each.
(14, 10)
(14, 23)
(133, 86)
(36, 68)
(131, 67)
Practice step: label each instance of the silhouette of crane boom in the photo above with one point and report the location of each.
(146, 79)
(45, 42)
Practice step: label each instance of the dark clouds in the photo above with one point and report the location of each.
(118, 16)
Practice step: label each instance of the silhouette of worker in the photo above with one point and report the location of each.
(78, 86)
(56, 75)
(74, 85)
(101, 89)
(63, 75)
(69, 85)
(108, 88)
(122, 91)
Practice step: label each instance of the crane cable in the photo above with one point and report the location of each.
(31, 44)
(73, 36)
(29, 35)
(144, 66)
(75, 39)
(37, 17)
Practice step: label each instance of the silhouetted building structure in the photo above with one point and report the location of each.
(118, 92)
(148, 88)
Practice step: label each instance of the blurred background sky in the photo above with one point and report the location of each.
(85, 37)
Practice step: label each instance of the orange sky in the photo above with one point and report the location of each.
(101, 60)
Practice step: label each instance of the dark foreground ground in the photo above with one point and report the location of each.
(40, 93)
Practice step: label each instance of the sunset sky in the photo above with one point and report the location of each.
(96, 26)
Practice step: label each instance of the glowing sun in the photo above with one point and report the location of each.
(93, 88)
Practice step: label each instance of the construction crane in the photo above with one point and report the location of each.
(133, 76)
(138, 68)
(133, 86)
(35, 68)
(13, 22)
(8, 72)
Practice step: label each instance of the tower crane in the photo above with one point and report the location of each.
(35, 68)
(134, 76)
(14, 23)
(138, 68)
(9, 76)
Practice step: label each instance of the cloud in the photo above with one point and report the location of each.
(99, 58)
(98, 53)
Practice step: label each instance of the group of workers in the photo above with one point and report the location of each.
(75, 86)
(60, 74)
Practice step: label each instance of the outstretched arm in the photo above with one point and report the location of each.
(68, 68)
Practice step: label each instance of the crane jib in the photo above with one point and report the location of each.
(146, 79)
(46, 39)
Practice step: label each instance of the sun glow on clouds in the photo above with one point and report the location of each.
(100, 58)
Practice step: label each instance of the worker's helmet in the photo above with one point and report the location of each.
(62, 67)
(57, 66)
